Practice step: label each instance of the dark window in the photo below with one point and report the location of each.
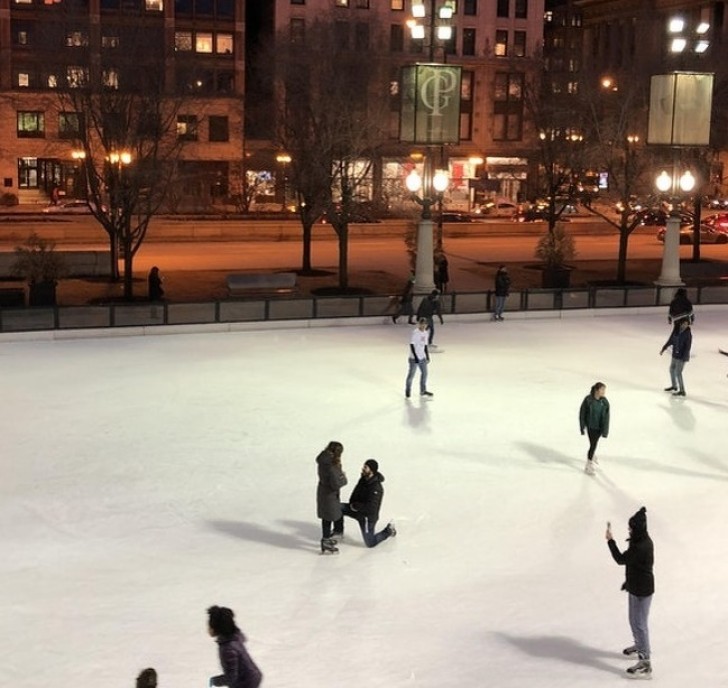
(180, 6)
(362, 4)
(341, 35)
(502, 8)
(521, 9)
(31, 125)
(225, 8)
(470, 7)
(219, 128)
(22, 33)
(297, 30)
(468, 41)
(361, 36)
(450, 46)
(508, 107)
(69, 125)
(519, 43)
(225, 82)
(187, 127)
(206, 7)
(298, 2)
(396, 38)
(466, 106)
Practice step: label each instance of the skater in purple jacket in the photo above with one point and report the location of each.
(239, 669)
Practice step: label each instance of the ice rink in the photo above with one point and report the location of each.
(144, 479)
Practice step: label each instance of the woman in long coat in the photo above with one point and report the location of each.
(328, 502)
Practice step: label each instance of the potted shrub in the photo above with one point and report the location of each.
(38, 263)
(555, 249)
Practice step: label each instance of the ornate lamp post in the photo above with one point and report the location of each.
(432, 186)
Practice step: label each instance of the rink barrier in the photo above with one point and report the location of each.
(268, 310)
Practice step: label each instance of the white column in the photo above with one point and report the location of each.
(425, 265)
(670, 275)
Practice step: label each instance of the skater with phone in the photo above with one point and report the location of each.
(239, 669)
(331, 478)
(594, 419)
(638, 559)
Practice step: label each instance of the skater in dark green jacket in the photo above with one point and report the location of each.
(594, 418)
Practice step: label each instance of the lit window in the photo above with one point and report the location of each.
(109, 41)
(224, 43)
(76, 39)
(203, 43)
(501, 43)
(154, 5)
(341, 3)
(23, 2)
(187, 127)
(31, 125)
(183, 40)
(397, 5)
(22, 38)
(23, 79)
(76, 77)
(69, 125)
(110, 78)
(52, 81)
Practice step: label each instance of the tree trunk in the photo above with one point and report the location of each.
(343, 234)
(306, 248)
(114, 258)
(622, 256)
(128, 273)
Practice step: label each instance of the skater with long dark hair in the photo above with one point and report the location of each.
(639, 583)
(328, 501)
(594, 419)
(680, 310)
(239, 669)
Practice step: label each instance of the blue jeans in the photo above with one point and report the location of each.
(371, 539)
(676, 368)
(413, 365)
(500, 303)
(639, 612)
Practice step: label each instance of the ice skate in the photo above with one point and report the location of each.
(631, 650)
(338, 538)
(589, 468)
(328, 546)
(643, 669)
(390, 530)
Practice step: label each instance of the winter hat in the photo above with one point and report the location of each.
(638, 522)
(373, 465)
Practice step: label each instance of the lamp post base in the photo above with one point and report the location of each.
(670, 273)
(425, 265)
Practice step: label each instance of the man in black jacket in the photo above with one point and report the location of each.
(638, 559)
(365, 502)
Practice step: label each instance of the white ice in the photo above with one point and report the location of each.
(144, 479)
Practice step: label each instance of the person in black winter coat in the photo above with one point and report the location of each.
(680, 309)
(328, 501)
(239, 669)
(681, 344)
(365, 502)
(502, 289)
(430, 307)
(639, 583)
(154, 281)
(442, 272)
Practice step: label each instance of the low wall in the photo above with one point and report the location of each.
(149, 316)
(78, 263)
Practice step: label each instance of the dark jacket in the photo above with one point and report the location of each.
(680, 309)
(331, 480)
(502, 283)
(681, 344)
(594, 414)
(239, 669)
(429, 307)
(366, 499)
(639, 559)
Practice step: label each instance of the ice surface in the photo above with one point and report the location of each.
(144, 479)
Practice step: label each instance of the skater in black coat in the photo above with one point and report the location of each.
(638, 559)
(328, 501)
(239, 669)
(681, 344)
(430, 307)
(680, 309)
(365, 502)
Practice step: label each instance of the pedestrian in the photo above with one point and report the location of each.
(156, 292)
(639, 583)
(328, 500)
(430, 307)
(147, 679)
(239, 670)
(680, 309)
(419, 357)
(404, 304)
(442, 273)
(594, 418)
(502, 289)
(365, 502)
(681, 344)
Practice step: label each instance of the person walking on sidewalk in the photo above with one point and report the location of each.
(331, 478)
(639, 583)
(594, 418)
(365, 503)
(681, 344)
(419, 357)
(430, 307)
(502, 289)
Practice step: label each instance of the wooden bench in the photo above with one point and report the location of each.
(261, 281)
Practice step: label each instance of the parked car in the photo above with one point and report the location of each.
(708, 234)
(719, 221)
(70, 207)
(501, 207)
(716, 203)
(658, 217)
(456, 216)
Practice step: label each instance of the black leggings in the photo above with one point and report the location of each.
(326, 527)
(594, 436)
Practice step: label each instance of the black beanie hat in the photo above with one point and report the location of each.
(373, 465)
(638, 522)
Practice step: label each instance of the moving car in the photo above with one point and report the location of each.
(709, 234)
(456, 216)
(70, 207)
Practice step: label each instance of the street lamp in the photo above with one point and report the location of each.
(438, 23)
(432, 186)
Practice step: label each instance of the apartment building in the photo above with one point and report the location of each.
(191, 51)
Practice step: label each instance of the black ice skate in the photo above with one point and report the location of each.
(643, 669)
(631, 650)
(328, 546)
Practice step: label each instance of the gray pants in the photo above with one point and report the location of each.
(413, 366)
(639, 612)
(676, 378)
